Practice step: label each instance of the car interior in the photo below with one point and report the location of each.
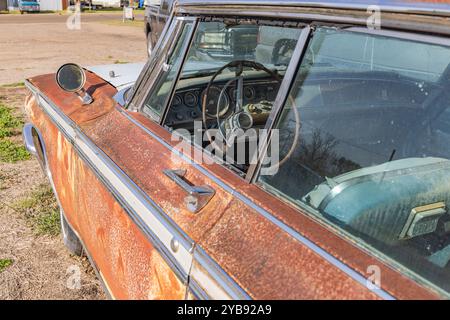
(230, 79)
(363, 136)
(372, 156)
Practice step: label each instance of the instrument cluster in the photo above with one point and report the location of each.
(187, 103)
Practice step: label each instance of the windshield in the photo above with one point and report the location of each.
(365, 145)
(216, 44)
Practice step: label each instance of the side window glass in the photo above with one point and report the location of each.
(364, 145)
(168, 70)
(228, 86)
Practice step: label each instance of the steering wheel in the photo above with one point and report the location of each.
(239, 106)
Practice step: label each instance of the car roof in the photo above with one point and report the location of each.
(428, 7)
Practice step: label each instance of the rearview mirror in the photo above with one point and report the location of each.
(71, 78)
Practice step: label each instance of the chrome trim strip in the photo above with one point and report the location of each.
(432, 10)
(308, 243)
(27, 131)
(208, 278)
(153, 222)
(27, 135)
(282, 96)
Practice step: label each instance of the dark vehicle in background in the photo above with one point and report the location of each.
(29, 6)
(156, 15)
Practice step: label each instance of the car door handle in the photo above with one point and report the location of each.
(198, 196)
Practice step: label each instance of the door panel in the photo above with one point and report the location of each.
(125, 235)
(140, 154)
(270, 264)
(129, 263)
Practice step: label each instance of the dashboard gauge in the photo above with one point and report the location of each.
(213, 101)
(179, 116)
(249, 93)
(190, 99)
(177, 101)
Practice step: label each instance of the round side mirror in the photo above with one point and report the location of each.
(70, 77)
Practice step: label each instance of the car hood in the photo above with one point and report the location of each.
(118, 75)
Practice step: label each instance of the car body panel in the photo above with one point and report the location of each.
(245, 243)
(118, 75)
(126, 259)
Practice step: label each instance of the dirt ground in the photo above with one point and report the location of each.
(41, 266)
(36, 44)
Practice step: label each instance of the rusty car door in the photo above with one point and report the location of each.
(102, 205)
(236, 250)
(138, 251)
(246, 242)
(155, 191)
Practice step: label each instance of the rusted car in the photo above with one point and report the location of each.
(341, 191)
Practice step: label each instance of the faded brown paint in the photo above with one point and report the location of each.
(144, 159)
(131, 266)
(393, 281)
(263, 259)
(128, 263)
(275, 265)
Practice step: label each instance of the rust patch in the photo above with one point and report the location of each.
(130, 265)
(265, 260)
(393, 282)
(71, 105)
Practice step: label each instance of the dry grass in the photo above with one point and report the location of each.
(33, 260)
(41, 210)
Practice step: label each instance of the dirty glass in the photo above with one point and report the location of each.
(228, 84)
(365, 145)
(159, 94)
(216, 44)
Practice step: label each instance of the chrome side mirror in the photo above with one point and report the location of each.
(71, 78)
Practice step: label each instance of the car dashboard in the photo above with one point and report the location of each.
(186, 105)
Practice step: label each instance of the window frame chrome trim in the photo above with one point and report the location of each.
(280, 101)
(402, 35)
(409, 9)
(48, 174)
(75, 137)
(176, 28)
(401, 269)
(164, 249)
(146, 72)
(185, 52)
(359, 278)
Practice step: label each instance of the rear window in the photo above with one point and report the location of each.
(365, 146)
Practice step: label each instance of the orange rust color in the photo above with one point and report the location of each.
(266, 261)
(128, 263)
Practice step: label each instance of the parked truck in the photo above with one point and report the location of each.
(156, 14)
